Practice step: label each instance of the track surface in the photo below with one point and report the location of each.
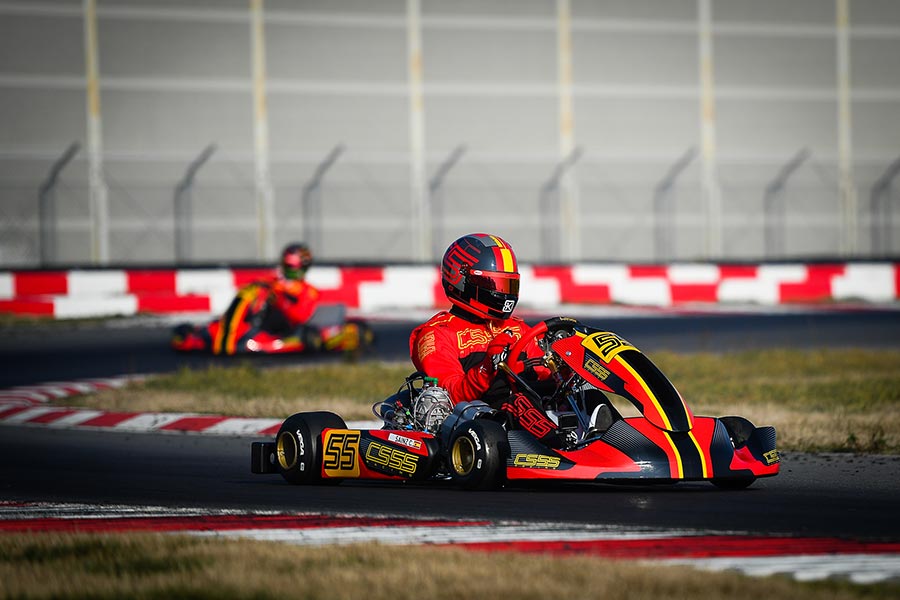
(814, 495)
(32, 355)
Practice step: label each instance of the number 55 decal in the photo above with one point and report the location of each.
(340, 456)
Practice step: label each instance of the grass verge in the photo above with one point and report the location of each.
(171, 566)
(818, 400)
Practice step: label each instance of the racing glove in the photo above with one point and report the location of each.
(484, 376)
(498, 350)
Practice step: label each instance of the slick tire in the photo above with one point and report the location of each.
(298, 446)
(477, 455)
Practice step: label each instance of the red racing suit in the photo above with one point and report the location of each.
(295, 300)
(452, 348)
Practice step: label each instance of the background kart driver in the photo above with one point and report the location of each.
(292, 300)
(462, 347)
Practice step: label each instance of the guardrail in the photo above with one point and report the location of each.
(106, 292)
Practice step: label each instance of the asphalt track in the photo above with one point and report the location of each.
(813, 496)
(834, 495)
(37, 354)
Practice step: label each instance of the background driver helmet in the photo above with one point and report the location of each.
(295, 260)
(480, 274)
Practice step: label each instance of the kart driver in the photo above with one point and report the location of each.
(463, 347)
(292, 300)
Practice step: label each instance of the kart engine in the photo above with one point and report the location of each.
(431, 407)
(416, 408)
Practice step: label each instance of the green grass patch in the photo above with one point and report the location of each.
(171, 566)
(365, 382)
(818, 400)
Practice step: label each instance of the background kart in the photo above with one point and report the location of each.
(479, 447)
(252, 325)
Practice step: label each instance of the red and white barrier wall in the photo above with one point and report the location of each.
(81, 293)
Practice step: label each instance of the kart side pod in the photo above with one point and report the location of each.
(317, 447)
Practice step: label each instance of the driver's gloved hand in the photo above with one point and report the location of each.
(498, 350)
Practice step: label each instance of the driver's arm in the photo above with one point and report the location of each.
(435, 352)
(299, 304)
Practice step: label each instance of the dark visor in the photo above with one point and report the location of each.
(503, 283)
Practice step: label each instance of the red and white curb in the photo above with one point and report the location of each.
(28, 405)
(30, 395)
(805, 559)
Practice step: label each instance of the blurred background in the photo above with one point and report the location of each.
(144, 132)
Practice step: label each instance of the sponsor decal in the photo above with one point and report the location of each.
(595, 368)
(392, 460)
(772, 457)
(509, 305)
(529, 417)
(426, 345)
(408, 442)
(476, 439)
(468, 338)
(606, 345)
(472, 337)
(301, 447)
(341, 449)
(536, 461)
(458, 257)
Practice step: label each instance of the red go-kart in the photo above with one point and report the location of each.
(252, 325)
(479, 447)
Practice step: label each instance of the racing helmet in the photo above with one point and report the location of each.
(295, 260)
(479, 274)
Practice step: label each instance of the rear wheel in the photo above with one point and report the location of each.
(477, 455)
(298, 448)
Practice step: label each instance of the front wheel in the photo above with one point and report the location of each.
(298, 446)
(477, 455)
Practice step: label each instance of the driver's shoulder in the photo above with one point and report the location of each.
(514, 324)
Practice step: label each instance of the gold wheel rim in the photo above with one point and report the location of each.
(463, 456)
(286, 450)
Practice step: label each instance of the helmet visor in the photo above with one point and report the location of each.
(492, 281)
(293, 272)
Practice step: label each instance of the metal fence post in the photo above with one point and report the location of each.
(774, 208)
(663, 207)
(310, 201)
(183, 212)
(98, 192)
(265, 193)
(47, 205)
(436, 198)
(549, 211)
(880, 209)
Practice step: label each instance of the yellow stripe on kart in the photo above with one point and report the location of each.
(703, 464)
(679, 466)
(650, 394)
(231, 339)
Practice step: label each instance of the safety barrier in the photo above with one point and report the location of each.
(367, 289)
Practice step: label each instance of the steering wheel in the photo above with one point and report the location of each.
(549, 326)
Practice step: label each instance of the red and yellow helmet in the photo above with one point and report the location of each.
(295, 260)
(480, 274)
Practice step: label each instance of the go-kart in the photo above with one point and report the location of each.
(253, 325)
(476, 446)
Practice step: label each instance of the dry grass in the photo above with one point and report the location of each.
(821, 400)
(168, 566)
